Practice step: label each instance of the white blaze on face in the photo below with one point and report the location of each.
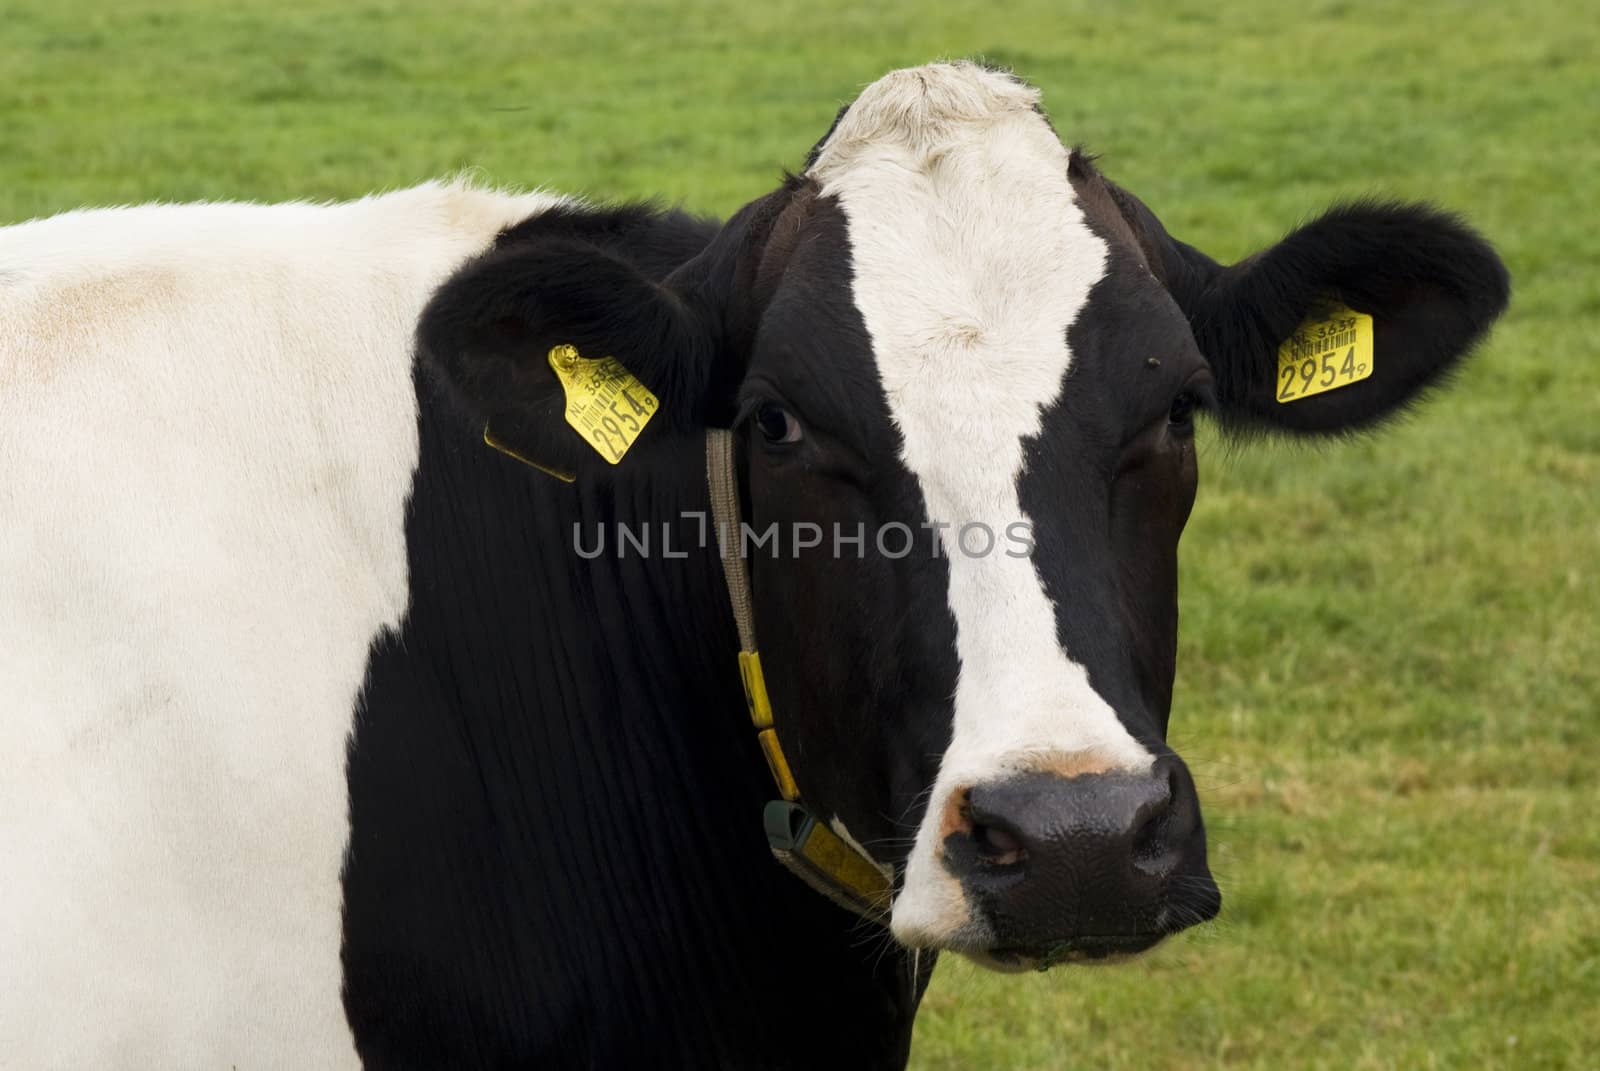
(971, 260)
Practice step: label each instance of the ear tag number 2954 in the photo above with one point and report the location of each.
(606, 403)
(1324, 354)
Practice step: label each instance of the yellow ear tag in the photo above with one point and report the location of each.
(606, 403)
(1325, 354)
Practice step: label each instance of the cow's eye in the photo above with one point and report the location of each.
(777, 424)
(1181, 417)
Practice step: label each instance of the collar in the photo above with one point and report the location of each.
(809, 848)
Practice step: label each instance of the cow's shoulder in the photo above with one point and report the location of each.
(208, 434)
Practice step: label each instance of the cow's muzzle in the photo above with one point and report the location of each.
(1080, 868)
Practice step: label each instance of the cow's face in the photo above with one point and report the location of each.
(965, 368)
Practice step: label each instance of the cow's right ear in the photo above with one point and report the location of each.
(490, 332)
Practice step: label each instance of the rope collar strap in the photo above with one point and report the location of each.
(808, 848)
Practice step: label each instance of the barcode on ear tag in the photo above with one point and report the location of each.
(1325, 353)
(606, 403)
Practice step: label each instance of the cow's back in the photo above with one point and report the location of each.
(207, 435)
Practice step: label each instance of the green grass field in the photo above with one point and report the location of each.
(1389, 680)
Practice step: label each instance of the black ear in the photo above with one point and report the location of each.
(488, 333)
(1431, 285)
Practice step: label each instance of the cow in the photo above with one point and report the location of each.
(433, 627)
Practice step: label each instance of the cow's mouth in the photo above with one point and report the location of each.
(1095, 949)
(991, 946)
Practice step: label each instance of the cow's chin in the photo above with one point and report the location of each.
(976, 939)
(1076, 951)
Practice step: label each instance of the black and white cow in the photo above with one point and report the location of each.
(320, 740)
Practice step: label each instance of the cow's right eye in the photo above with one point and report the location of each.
(1181, 415)
(777, 424)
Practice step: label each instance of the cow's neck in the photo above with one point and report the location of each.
(554, 784)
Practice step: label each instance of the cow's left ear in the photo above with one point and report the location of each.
(549, 341)
(1286, 331)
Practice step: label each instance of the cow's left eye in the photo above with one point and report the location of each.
(1181, 417)
(777, 424)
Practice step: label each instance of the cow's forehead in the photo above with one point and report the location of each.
(971, 257)
(923, 110)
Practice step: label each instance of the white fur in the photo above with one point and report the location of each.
(972, 258)
(207, 438)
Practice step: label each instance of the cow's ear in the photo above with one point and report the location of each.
(532, 333)
(1286, 330)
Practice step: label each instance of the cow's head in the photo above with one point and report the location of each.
(952, 336)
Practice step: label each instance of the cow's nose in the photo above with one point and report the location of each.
(1091, 862)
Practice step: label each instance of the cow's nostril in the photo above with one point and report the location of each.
(1153, 847)
(998, 846)
(1148, 842)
